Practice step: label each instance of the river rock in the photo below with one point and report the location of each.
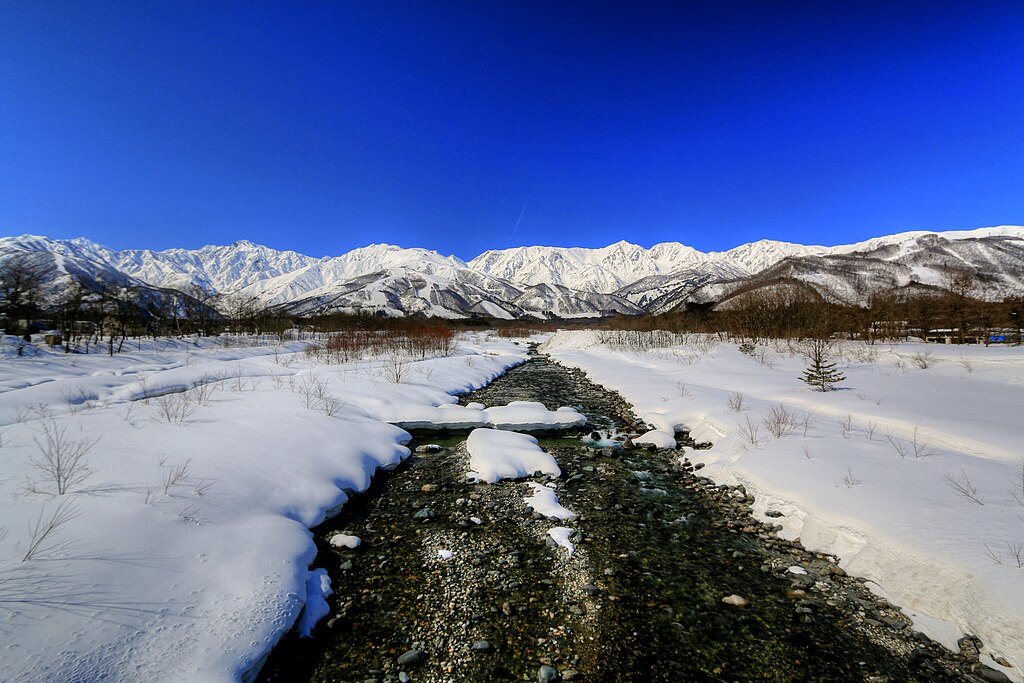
(735, 600)
(547, 674)
(413, 657)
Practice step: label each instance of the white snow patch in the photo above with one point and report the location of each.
(495, 454)
(544, 500)
(560, 535)
(345, 541)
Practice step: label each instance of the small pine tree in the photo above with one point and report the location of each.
(821, 372)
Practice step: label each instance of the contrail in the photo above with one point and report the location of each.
(518, 220)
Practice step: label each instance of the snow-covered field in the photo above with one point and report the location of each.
(913, 476)
(179, 550)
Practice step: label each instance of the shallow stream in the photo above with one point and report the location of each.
(657, 548)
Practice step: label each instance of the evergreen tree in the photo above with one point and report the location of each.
(821, 372)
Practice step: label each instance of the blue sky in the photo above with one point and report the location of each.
(463, 126)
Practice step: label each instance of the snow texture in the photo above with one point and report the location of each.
(186, 554)
(318, 589)
(495, 455)
(877, 473)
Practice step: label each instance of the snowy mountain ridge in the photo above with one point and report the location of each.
(536, 281)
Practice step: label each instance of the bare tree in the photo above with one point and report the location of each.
(21, 278)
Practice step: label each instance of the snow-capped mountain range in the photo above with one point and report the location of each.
(621, 278)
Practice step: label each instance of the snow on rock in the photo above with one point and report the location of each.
(445, 554)
(659, 438)
(528, 415)
(345, 541)
(544, 500)
(318, 589)
(517, 415)
(560, 535)
(495, 454)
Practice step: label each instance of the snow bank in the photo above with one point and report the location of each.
(495, 454)
(877, 473)
(318, 589)
(185, 551)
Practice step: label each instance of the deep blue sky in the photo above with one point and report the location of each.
(323, 126)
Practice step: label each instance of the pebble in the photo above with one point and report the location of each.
(481, 646)
(424, 514)
(735, 600)
(430, 488)
(547, 674)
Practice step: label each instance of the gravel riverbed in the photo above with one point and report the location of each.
(670, 578)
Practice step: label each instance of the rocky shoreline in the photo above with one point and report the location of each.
(670, 578)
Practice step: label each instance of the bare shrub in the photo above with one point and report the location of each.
(923, 359)
(285, 360)
(240, 383)
(846, 426)
(682, 390)
(313, 390)
(965, 363)
(77, 398)
(394, 370)
(202, 390)
(807, 420)
(1017, 490)
(918, 446)
(963, 487)
(863, 354)
(42, 541)
(330, 406)
(870, 431)
(761, 356)
(749, 432)
(175, 408)
(850, 480)
(61, 460)
(735, 401)
(806, 450)
(176, 475)
(779, 421)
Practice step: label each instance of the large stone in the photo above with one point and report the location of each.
(547, 674)
(413, 657)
